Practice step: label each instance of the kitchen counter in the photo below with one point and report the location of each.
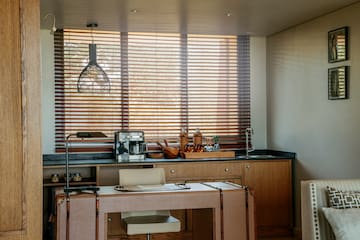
(107, 158)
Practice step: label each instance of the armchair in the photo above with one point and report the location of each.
(313, 198)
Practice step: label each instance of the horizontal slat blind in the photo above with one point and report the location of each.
(159, 84)
(155, 84)
(212, 85)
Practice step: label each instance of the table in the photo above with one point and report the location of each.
(87, 213)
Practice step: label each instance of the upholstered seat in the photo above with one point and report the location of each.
(146, 222)
(151, 224)
(313, 198)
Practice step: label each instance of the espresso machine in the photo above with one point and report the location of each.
(129, 146)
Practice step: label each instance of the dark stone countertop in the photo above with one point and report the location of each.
(108, 158)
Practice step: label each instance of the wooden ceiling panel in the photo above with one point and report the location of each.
(254, 17)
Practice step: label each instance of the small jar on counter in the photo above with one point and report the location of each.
(197, 137)
(55, 178)
(183, 139)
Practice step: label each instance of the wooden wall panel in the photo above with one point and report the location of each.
(10, 118)
(31, 101)
(20, 131)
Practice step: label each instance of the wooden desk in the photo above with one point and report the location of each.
(229, 223)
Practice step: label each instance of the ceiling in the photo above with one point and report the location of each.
(253, 17)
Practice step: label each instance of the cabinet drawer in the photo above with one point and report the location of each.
(201, 170)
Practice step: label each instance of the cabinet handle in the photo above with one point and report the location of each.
(172, 171)
(247, 166)
(109, 219)
(226, 169)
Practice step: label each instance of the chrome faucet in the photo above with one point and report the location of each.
(247, 132)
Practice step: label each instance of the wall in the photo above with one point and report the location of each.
(47, 91)
(258, 91)
(324, 133)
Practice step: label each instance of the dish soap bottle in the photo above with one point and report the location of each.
(197, 138)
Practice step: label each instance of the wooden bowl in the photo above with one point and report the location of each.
(171, 152)
(156, 155)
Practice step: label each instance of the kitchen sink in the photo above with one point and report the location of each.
(257, 156)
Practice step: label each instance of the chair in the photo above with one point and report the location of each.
(313, 198)
(146, 222)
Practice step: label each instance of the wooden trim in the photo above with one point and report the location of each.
(31, 117)
(21, 166)
(12, 234)
(10, 118)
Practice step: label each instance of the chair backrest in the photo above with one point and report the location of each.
(142, 176)
(313, 198)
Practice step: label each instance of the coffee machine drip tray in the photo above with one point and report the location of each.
(130, 158)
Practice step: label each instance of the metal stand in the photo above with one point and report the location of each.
(67, 188)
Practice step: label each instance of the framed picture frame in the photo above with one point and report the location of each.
(338, 45)
(338, 82)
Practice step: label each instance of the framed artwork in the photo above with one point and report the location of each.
(338, 45)
(338, 83)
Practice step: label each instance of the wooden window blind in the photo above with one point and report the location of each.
(159, 83)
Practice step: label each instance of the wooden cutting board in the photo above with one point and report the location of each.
(198, 155)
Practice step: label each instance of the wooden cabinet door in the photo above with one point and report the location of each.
(20, 132)
(271, 181)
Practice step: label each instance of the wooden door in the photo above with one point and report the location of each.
(20, 134)
(271, 181)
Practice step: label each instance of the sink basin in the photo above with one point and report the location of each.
(258, 156)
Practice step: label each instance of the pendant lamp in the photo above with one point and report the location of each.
(93, 78)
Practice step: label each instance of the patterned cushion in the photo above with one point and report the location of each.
(343, 199)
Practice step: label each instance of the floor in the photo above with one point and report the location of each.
(283, 238)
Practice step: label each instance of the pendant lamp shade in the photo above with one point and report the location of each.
(93, 78)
